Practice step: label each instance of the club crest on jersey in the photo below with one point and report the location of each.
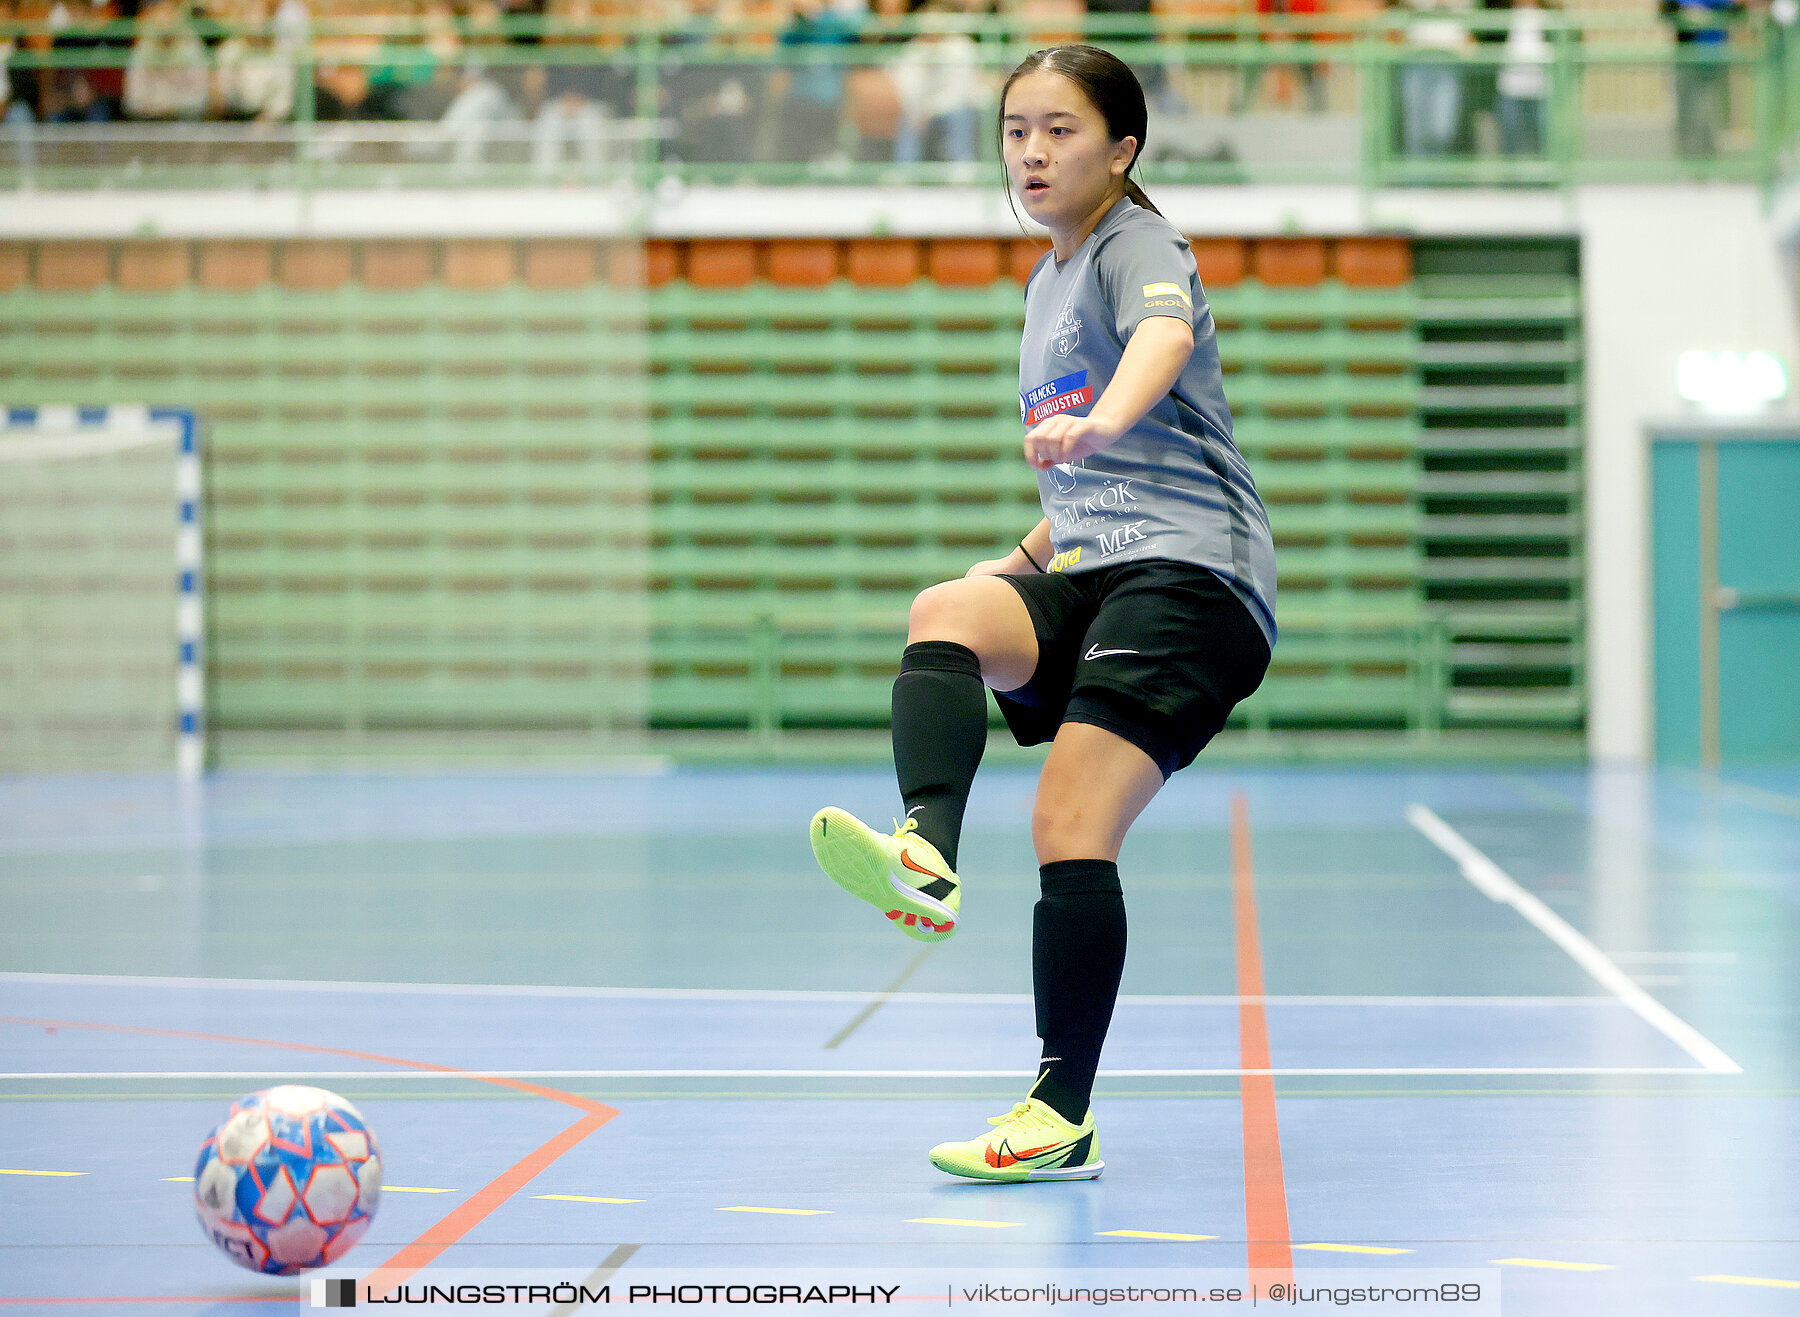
(1067, 332)
(1059, 395)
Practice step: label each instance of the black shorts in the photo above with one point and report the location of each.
(1157, 652)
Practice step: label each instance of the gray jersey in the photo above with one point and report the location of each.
(1174, 486)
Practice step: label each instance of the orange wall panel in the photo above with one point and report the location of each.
(963, 262)
(73, 267)
(557, 263)
(398, 265)
(153, 267)
(1374, 262)
(721, 262)
(1290, 262)
(803, 262)
(884, 262)
(236, 267)
(314, 266)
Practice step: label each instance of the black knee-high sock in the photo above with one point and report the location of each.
(1077, 956)
(940, 730)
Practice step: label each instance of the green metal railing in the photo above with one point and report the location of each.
(1254, 99)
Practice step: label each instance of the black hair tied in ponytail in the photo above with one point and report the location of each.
(1111, 88)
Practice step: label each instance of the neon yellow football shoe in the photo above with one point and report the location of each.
(902, 875)
(1032, 1142)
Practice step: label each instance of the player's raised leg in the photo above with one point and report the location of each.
(1093, 787)
(961, 636)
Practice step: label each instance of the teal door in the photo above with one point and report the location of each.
(1726, 562)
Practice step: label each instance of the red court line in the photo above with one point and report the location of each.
(463, 1218)
(1265, 1187)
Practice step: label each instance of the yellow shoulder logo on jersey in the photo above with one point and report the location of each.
(1168, 290)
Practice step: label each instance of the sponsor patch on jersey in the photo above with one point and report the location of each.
(1167, 290)
(1059, 395)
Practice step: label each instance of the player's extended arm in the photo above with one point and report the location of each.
(1149, 367)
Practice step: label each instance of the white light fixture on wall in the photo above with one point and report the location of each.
(1730, 383)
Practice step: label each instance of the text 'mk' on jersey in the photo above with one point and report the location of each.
(1174, 486)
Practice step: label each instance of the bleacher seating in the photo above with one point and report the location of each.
(439, 468)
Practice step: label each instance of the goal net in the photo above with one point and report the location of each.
(100, 590)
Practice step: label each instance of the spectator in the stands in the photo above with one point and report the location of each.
(1481, 70)
(421, 72)
(252, 78)
(716, 103)
(871, 96)
(1136, 32)
(1701, 75)
(942, 92)
(18, 86)
(91, 94)
(403, 81)
(808, 90)
(579, 99)
(168, 77)
(481, 111)
(1284, 30)
(1431, 86)
(341, 84)
(1524, 81)
(18, 93)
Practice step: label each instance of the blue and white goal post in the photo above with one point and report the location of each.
(102, 619)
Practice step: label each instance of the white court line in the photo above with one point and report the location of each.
(754, 994)
(1496, 884)
(840, 1074)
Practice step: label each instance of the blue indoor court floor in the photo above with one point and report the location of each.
(1540, 1025)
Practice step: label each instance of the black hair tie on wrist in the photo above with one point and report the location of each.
(1029, 558)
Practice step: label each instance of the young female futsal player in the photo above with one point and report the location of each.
(1123, 628)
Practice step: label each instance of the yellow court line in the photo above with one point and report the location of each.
(413, 1189)
(1151, 1234)
(583, 1198)
(779, 1211)
(43, 1172)
(1550, 1265)
(1354, 1248)
(956, 1221)
(1754, 1280)
(178, 1179)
